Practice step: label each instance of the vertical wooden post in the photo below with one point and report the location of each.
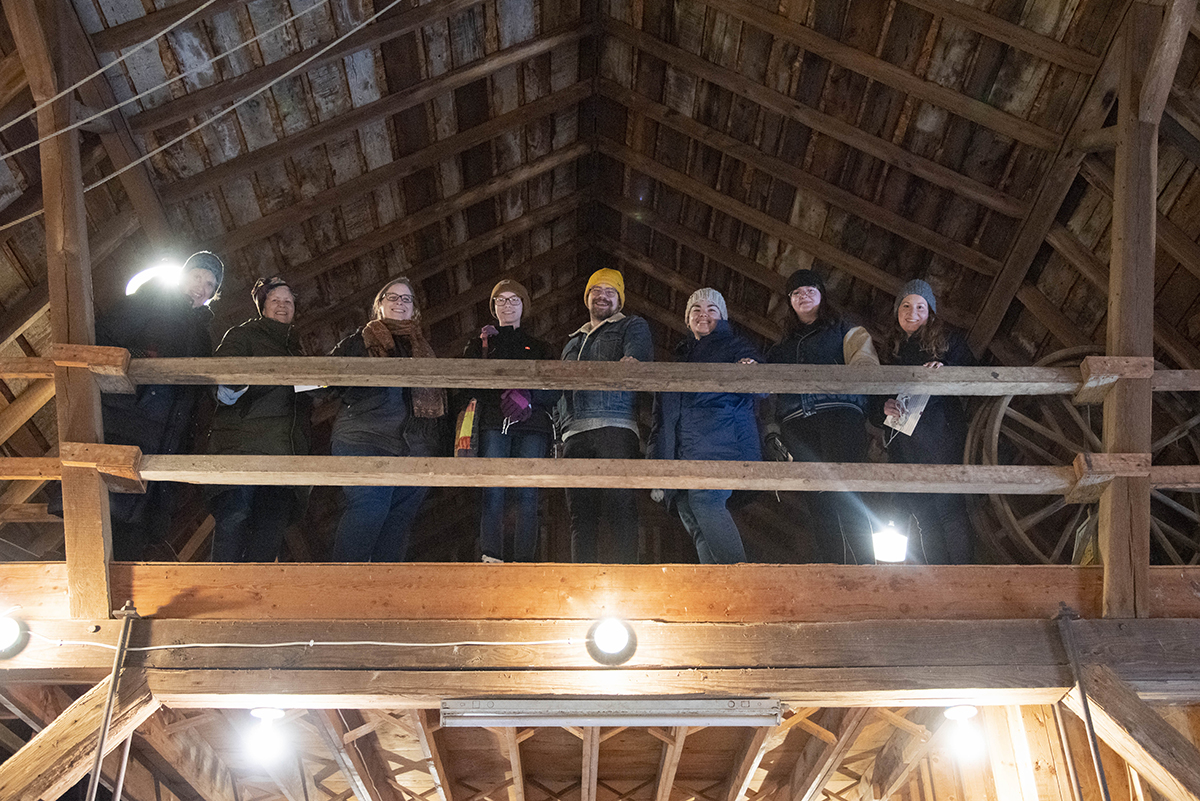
(1125, 505)
(69, 278)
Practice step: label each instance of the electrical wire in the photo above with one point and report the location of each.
(306, 643)
(194, 70)
(142, 159)
(106, 67)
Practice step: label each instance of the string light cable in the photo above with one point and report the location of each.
(106, 67)
(569, 641)
(219, 114)
(105, 112)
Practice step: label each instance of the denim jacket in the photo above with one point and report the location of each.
(613, 339)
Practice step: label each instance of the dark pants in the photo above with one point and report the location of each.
(705, 516)
(141, 521)
(377, 521)
(947, 537)
(588, 506)
(840, 522)
(250, 523)
(495, 444)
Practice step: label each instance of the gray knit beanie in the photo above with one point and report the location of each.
(915, 287)
(706, 295)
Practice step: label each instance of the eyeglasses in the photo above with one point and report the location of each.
(805, 292)
(501, 301)
(392, 297)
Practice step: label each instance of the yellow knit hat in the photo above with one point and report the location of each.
(611, 278)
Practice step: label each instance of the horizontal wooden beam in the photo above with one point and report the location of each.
(30, 368)
(671, 593)
(338, 471)
(139, 29)
(658, 376)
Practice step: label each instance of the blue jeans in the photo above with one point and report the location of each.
(703, 512)
(250, 523)
(377, 521)
(494, 444)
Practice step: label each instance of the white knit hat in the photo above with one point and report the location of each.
(706, 295)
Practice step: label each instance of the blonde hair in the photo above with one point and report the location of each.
(377, 305)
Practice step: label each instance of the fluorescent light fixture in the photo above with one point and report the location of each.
(611, 712)
(890, 545)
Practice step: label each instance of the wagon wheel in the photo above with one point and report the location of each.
(1050, 430)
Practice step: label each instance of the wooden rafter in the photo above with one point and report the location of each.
(186, 754)
(388, 105)
(450, 147)
(758, 742)
(883, 149)
(668, 761)
(421, 720)
(62, 753)
(39, 706)
(139, 29)
(1159, 753)
(226, 91)
(888, 74)
(819, 760)
(24, 406)
(588, 784)
(414, 222)
(357, 759)
(793, 174)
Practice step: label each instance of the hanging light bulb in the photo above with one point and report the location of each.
(967, 740)
(890, 545)
(264, 740)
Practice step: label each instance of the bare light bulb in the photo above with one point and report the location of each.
(264, 741)
(889, 544)
(165, 271)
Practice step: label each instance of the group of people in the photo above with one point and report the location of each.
(161, 320)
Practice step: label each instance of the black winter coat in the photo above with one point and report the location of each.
(941, 433)
(421, 436)
(267, 420)
(156, 321)
(512, 343)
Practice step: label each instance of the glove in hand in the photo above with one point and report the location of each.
(774, 449)
(516, 405)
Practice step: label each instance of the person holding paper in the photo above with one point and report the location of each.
(259, 420)
(513, 423)
(823, 427)
(923, 429)
(385, 421)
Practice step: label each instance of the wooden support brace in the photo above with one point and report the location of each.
(110, 366)
(119, 465)
(1100, 373)
(25, 406)
(62, 753)
(26, 368)
(1097, 140)
(1155, 749)
(30, 468)
(1095, 471)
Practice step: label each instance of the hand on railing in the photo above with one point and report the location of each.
(229, 395)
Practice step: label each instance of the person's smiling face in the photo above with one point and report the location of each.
(912, 314)
(398, 302)
(603, 302)
(509, 309)
(199, 285)
(805, 301)
(280, 305)
(703, 318)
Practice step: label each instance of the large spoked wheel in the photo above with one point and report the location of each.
(1051, 430)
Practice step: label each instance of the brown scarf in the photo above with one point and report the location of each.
(380, 338)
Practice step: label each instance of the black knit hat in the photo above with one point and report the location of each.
(804, 278)
(263, 287)
(206, 260)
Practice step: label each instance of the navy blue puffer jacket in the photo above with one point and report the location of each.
(707, 425)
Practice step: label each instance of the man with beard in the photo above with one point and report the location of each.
(600, 424)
